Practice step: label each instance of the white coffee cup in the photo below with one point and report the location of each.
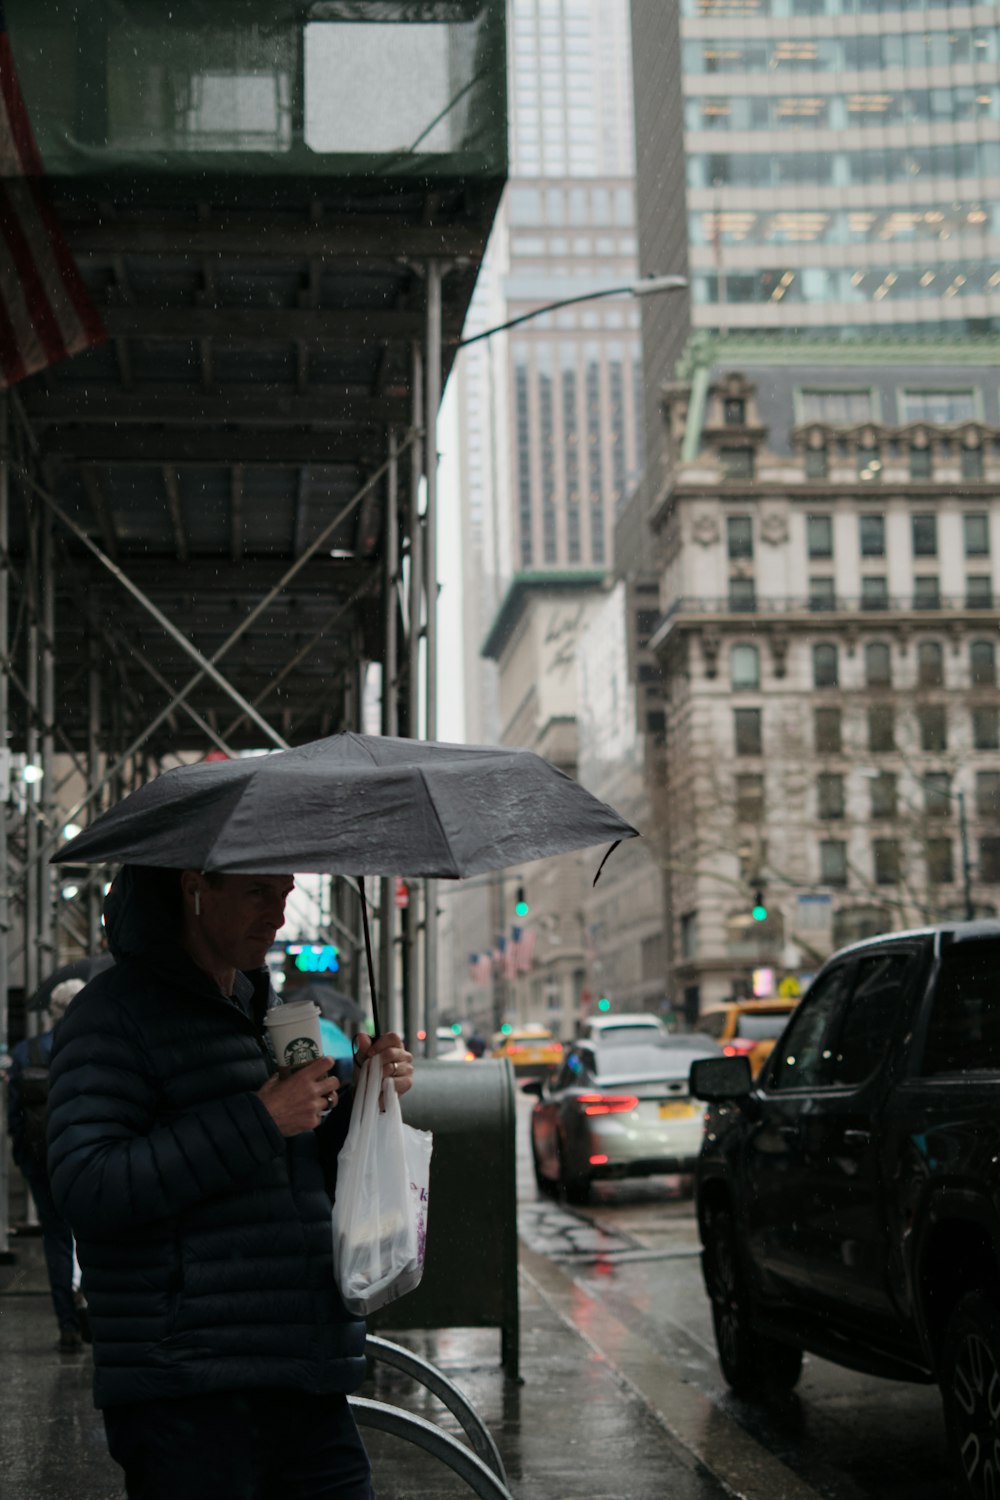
(295, 1034)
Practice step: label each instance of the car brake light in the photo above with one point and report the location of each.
(607, 1104)
(740, 1046)
(598, 1161)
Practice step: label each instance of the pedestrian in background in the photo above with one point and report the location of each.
(27, 1111)
(198, 1179)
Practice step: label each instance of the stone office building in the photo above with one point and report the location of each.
(829, 552)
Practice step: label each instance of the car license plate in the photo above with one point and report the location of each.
(676, 1111)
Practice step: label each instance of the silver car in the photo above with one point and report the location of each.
(617, 1110)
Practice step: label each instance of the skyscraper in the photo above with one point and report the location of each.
(550, 415)
(841, 161)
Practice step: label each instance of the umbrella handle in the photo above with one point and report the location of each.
(368, 952)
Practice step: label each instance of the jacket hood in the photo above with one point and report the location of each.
(142, 910)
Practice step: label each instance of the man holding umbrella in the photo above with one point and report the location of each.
(198, 1182)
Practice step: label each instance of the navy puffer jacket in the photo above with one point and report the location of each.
(203, 1234)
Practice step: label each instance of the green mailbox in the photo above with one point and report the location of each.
(470, 1270)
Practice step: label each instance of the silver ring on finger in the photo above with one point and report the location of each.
(394, 1069)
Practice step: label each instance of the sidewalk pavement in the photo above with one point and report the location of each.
(587, 1422)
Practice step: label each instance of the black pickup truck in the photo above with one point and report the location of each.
(849, 1198)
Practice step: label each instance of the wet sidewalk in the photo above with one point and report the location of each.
(579, 1427)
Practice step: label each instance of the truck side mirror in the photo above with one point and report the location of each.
(718, 1080)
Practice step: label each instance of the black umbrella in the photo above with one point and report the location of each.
(333, 1004)
(79, 968)
(354, 805)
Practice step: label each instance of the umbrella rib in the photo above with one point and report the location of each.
(446, 842)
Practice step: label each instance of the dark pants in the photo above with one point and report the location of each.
(241, 1445)
(57, 1242)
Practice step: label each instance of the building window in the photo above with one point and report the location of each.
(885, 861)
(940, 861)
(842, 408)
(830, 795)
(979, 591)
(921, 465)
(750, 799)
(933, 727)
(744, 668)
(874, 592)
(742, 595)
(871, 529)
(817, 463)
(883, 795)
(986, 728)
(972, 463)
(988, 795)
(825, 665)
(819, 536)
(736, 463)
(926, 593)
(746, 723)
(869, 464)
(689, 934)
(982, 663)
(821, 594)
(976, 534)
(878, 665)
(930, 664)
(734, 411)
(826, 731)
(989, 860)
(939, 407)
(739, 536)
(937, 794)
(924, 530)
(833, 862)
(881, 727)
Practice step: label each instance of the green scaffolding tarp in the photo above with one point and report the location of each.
(370, 88)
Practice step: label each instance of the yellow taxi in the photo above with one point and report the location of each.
(748, 1028)
(533, 1050)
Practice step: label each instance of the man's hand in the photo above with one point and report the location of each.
(297, 1101)
(397, 1063)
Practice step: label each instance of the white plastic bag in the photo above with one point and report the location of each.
(380, 1212)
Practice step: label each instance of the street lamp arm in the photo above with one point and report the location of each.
(647, 287)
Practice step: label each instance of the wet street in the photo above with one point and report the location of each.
(632, 1254)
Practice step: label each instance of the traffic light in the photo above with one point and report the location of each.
(759, 909)
(604, 1003)
(520, 905)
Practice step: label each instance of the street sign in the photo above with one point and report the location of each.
(402, 895)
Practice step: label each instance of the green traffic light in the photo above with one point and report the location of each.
(456, 1028)
(604, 1003)
(506, 1029)
(759, 913)
(521, 909)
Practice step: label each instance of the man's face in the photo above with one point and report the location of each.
(240, 915)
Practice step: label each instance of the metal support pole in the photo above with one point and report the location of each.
(411, 924)
(48, 936)
(390, 667)
(432, 354)
(31, 794)
(5, 874)
(94, 899)
(963, 834)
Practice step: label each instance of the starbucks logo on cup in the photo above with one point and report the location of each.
(301, 1049)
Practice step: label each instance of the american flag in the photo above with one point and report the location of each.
(526, 950)
(480, 967)
(45, 311)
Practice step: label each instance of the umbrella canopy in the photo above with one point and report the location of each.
(79, 968)
(353, 805)
(332, 1003)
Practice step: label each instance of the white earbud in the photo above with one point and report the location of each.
(197, 903)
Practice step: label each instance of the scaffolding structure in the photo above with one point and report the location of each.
(211, 525)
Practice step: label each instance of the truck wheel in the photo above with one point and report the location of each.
(748, 1359)
(970, 1394)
